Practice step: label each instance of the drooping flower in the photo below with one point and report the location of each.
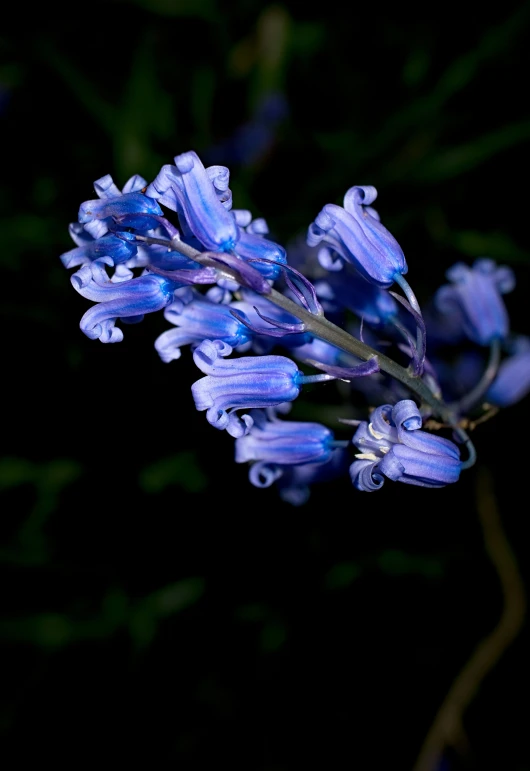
(241, 383)
(355, 233)
(191, 191)
(196, 319)
(117, 248)
(274, 442)
(393, 445)
(128, 208)
(289, 453)
(474, 297)
(127, 300)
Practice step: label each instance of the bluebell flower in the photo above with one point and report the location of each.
(275, 442)
(197, 319)
(105, 187)
(392, 445)
(241, 383)
(512, 382)
(324, 352)
(132, 210)
(127, 300)
(474, 298)
(348, 290)
(117, 248)
(355, 233)
(290, 453)
(264, 255)
(127, 208)
(188, 189)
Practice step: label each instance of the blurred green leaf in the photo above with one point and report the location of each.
(168, 600)
(251, 612)
(457, 160)
(55, 630)
(14, 472)
(181, 470)
(342, 574)
(46, 630)
(49, 480)
(498, 246)
(174, 597)
(200, 9)
(417, 66)
(273, 636)
(398, 563)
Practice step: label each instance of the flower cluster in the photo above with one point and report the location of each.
(262, 321)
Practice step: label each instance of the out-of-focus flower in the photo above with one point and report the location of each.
(348, 290)
(474, 297)
(512, 382)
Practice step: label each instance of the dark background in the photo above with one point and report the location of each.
(156, 607)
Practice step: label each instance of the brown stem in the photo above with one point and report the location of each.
(447, 728)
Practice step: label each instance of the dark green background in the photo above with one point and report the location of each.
(156, 607)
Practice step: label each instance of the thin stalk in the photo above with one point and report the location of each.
(488, 376)
(321, 327)
(411, 297)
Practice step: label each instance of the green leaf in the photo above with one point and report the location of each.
(181, 470)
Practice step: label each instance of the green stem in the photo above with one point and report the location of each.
(321, 327)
